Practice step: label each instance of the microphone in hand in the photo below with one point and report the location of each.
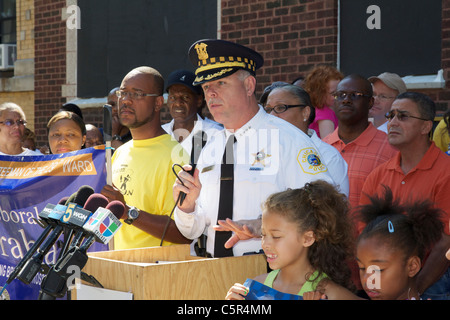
(198, 142)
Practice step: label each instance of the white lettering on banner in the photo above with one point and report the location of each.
(19, 217)
(14, 247)
(77, 166)
(17, 248)
(38, 168)
(6, 270)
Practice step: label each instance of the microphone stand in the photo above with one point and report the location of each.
(107, 135)
(54, 284)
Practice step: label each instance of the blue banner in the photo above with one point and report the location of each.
(259, 291)
(27, 185)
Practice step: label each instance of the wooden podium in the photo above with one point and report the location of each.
(171, 273)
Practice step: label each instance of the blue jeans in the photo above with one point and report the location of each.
(440, 290)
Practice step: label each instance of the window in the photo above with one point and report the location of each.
(403, 37)
(117, 36)
(8, 21)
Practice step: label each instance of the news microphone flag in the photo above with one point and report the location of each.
(103, 225)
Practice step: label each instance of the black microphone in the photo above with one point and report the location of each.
(65, 199)
(80, 197)
(80, 217)
(33, 264)
(76, 201)
(198, 142)
(54, 283)
(101, 226)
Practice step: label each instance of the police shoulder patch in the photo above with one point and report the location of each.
(310, 162)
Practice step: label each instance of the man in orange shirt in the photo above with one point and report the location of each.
(420, 171)
(361, 145)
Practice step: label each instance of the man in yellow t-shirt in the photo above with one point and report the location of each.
(441, 135)
(142, 168)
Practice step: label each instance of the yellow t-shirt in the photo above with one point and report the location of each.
(142, 171)
(441, 137)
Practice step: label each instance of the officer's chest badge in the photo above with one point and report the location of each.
(260, 158)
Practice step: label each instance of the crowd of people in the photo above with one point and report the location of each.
(340, 180)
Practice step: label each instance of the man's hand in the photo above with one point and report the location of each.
(112, 193)
(242, 230)
(191, 187)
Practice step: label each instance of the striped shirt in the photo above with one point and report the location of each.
(362, 155)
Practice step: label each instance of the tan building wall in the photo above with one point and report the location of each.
(25, 29)
(19, 86)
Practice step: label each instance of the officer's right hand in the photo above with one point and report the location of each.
(191, 187)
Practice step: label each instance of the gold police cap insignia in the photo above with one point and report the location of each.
(201, 51)
(215, 59)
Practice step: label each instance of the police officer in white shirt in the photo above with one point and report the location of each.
(270, 155)
(185, 102)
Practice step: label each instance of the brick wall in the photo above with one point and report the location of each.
(50, 63)
(295, 35)
(442, 96)
(292, 35)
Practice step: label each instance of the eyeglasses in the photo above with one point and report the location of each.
(383, 97)
(10, 123)
(282, 108)
(401, 116)
(340, 95)
(134, 95)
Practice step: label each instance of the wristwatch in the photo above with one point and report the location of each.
(117, 137)
(133, 214)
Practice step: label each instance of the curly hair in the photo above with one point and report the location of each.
(319, 207)
(411, 228)
(316, 82)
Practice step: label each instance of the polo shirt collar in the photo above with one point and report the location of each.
(364, 138)
(426, 163)
(197, 123)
